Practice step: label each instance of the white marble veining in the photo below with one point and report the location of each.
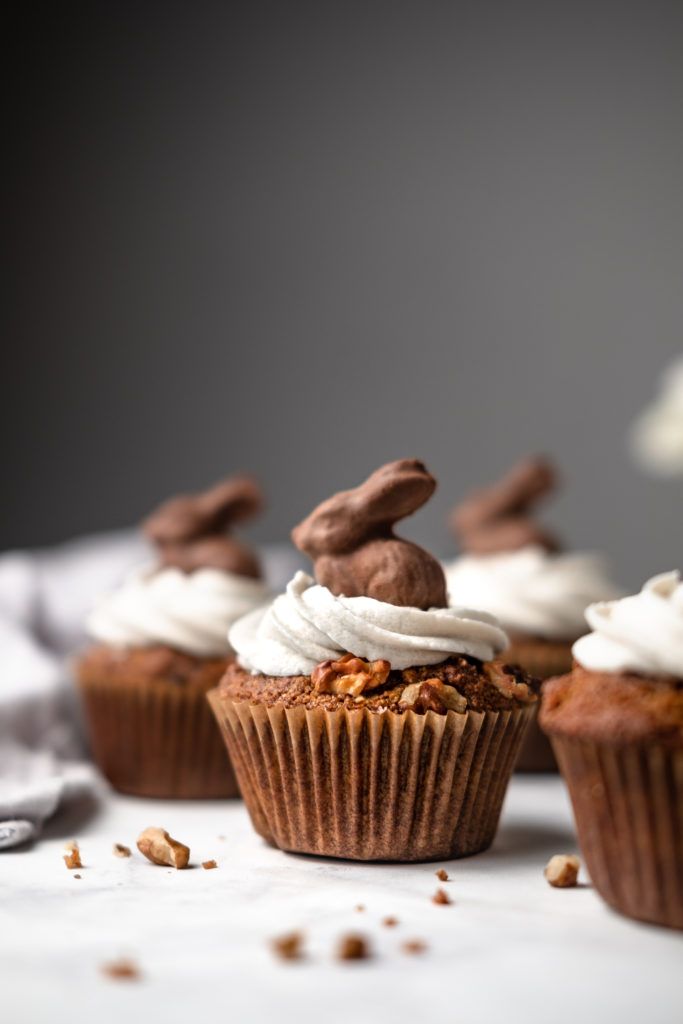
(510, 948)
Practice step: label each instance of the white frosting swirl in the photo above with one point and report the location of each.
(642, 633)
(530, 591)
(309, 624)
(188, 611)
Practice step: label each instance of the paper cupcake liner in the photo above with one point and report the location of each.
(542, 661)
(366, 786)
(628, 806)
(157, 739)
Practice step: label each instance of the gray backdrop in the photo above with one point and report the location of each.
(305, 239)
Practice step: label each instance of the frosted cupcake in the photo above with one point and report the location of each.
(365, 718)
(616, 723)
(513, 567)
(160, 643)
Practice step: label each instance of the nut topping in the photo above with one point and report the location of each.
(562, 870)
(349, 675)
(502, 677)
(156, 845)
(433, 695)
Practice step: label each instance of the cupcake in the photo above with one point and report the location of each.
(364, 717)
(160, 643)
(513, 567)
(616, 725)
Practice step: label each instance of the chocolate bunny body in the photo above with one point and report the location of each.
(350, 538)
(500, 517)
(191, 531)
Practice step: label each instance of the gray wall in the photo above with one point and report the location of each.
(305, 239)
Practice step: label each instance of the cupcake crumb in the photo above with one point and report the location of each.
(360, 907)
(441, 898)
(209, 864)
(78, 876)
(289, 946)
(390, 922)
(121, 970)
(72, 859)
(413, 947)
(119, 850)
(353, 947)
(442, 875)
(562, 870)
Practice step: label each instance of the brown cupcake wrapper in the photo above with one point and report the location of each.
(628, 806)
(542, 661)
(157, 738)
(366, 786)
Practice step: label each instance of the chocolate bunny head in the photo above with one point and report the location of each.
(501, 517)
(350, 538)
(191, 531)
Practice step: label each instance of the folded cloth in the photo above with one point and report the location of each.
(44, 599)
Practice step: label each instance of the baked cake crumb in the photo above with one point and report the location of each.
(414, 946)
(122, 970)
(390, 922)
(441, 897)
(353, 947)
(288, 947)
(442, 875)
(209, 864)
(73, 858)
(120, 850)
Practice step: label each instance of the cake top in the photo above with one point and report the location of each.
(500, 517)
(192, 531)
(350, 538)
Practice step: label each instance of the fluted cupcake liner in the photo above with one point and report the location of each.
(541, 660)
(628, 806)
(157, 738)
(367, 786)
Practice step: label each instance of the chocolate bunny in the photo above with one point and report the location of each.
(191, 531)
(500, 517)
(351, 540)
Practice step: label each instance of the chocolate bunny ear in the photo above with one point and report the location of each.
(351, 540)
(500, 517)
(190, 531)
(205, 514)
(349, 518)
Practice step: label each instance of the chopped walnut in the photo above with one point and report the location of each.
(208, 865)
(73, 858)
(562, 870)
(441, 898)
(121, 970)
(120, 850)
(442, 875)
(156, 845)
(349, 675)
(414, 947)
(433, 695)
(390, 922)
(502, 677)
(288, 947)
(353, 947)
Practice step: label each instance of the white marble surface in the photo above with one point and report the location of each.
(510, 948)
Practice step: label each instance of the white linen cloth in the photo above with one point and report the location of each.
(44, 598)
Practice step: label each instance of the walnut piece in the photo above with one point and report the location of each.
(121, 970)
(156, 845)
(562, 870)
(208, 865)
(349, 675)
(120, 850)
(433, 695)
(353, 947)
(288, 947)
(441, 898)
(72, 859)
(501, 676)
